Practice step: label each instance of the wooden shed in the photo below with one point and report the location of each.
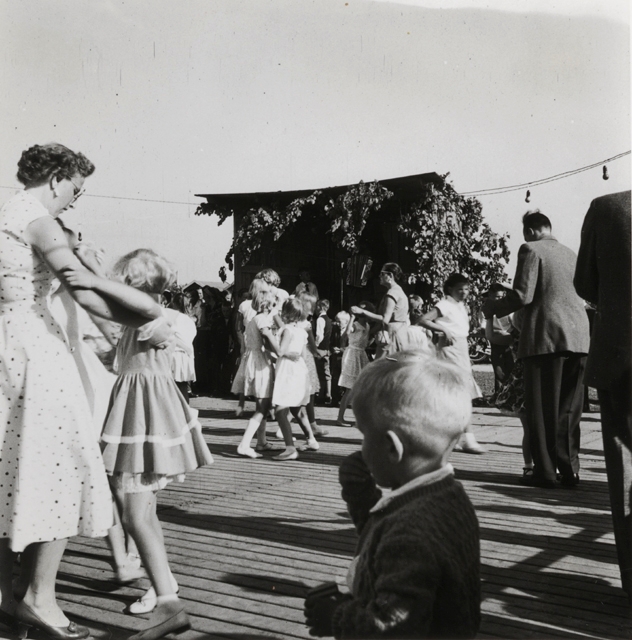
(307, 245)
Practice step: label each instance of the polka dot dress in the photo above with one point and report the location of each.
(52, 479)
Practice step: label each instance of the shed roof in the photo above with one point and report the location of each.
(404, 188)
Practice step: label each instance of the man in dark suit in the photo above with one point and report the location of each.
(603, 277)
(553, 345)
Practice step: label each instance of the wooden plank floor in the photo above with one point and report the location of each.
(247, 538)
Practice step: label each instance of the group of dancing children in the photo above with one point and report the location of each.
(277, 368)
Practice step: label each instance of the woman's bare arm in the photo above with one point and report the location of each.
(49, 240)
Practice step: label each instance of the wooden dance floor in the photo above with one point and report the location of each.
(247, 538)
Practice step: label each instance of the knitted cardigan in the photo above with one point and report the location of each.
(418, 561)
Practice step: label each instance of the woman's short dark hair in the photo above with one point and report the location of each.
(454, 280)
(394, 269)
(40, 163)
(535, 220)
(369, 306)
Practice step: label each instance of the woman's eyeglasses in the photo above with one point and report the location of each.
(78, 191)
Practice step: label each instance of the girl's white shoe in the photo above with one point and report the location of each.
(147, 602)
(311, 445)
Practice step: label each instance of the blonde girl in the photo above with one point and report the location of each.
(309, 302)
(258, 371)
(354, 357)
(292, 385)
(245, 314)
(150, 436)
(450, 322)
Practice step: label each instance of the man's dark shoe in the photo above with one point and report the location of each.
(569, 482)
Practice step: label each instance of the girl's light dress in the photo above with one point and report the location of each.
(354, 357)
(258, 369)
(247, 313)
(53, 481)
(455, 318)
(291, 384)
(314, 381)
(151, 435)
(182, 361)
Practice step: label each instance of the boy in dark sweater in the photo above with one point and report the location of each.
(416, 573)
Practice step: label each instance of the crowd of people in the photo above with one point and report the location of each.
(404, 370)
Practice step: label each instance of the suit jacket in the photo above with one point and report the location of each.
(554, 318)
(603, 276)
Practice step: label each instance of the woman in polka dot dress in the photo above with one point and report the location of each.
(52, 478)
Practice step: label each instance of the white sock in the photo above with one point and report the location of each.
(172, 597)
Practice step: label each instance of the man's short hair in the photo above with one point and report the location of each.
(536, 221)
(426, 401)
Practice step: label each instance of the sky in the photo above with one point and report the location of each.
(172, 99)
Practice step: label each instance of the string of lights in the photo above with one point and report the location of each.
(533, 183)
(482, 192)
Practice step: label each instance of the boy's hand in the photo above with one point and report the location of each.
(320, 605)
(79, 277)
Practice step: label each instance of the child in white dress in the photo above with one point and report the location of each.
(245, 314)
(151, 436)
(309, 352)
(292, 386)
(354, 357)
(258, 371)
(449, 319)
(182, 359)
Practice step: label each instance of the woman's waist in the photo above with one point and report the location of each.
(33, 306)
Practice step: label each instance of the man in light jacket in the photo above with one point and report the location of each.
(553, 345)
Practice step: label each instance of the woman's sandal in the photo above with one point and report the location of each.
(527, 472)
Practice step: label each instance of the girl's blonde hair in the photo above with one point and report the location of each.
(308, 301)
(292, 310)
(145, 270)
(257, 286)
(264, 301)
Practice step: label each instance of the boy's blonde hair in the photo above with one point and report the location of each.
(425, 401)
(264, 301)
(343, 319)
(145, 270)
